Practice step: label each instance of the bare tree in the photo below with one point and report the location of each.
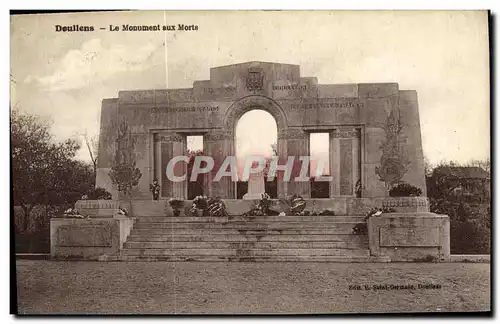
(92, 144)
(483, 164)
(428, 167)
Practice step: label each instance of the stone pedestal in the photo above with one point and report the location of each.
(418, 236)
(87, 239)
(256, 187)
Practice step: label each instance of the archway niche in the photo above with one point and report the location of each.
(256, 135)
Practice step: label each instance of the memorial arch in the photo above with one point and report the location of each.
(360, 120)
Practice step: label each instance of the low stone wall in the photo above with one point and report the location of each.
(421, 236)
(339, 205)
(87, 239)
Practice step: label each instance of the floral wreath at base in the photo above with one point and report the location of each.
(74, 213)
(362, 228)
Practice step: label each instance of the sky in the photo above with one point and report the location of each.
(443, 55)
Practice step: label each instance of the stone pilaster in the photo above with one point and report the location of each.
(345, 161)
(171, 145)
(297, 145)
(219, 145)
(282, 159)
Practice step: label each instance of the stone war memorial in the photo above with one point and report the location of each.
(374, 145)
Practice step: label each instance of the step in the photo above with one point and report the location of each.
(240, 245)
(246, 252)
(205, 258)
(185, 219)
(247, 238)
(141, 208)
(241, 231)
(246, 225)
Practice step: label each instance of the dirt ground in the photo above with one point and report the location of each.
(263, 288)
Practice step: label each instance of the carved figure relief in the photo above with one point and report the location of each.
(393, 162)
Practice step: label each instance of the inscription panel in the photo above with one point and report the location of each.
(346, 167)
(166, 149)
(409, 236)
(84, 235)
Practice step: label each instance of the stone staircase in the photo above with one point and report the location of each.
(255, 239)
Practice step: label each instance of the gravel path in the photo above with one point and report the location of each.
(289, 288)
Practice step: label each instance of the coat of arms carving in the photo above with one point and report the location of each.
(255, 79)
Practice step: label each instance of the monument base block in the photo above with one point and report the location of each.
(87, 239)
(419, 236)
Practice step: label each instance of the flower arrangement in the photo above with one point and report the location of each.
(176, 204)
(361, 228)
(297, 205)
(216, 207)
(201, 202)
(98, 194)
(74, 213)
(405, 190)
(262, 207)
(122, 211)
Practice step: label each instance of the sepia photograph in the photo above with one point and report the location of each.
(250, 162)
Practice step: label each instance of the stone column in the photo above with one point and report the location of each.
(172, 144)
(297, 144)
(157, 168)
(219, 145)
(282, 159)
(345, 161)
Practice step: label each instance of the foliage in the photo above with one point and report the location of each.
(470, 216)
(124, 173)
(361, 228)
(176, 203)
(376, 211)
(99, 194)
(297, 205)
(33, 242)
(44, 172)
(91, 142)
(74, 213)
(200, 203)
(216, 207)
(470, 224)
(263, 207)
(475, 176)
(405, 190)
(122, 211)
